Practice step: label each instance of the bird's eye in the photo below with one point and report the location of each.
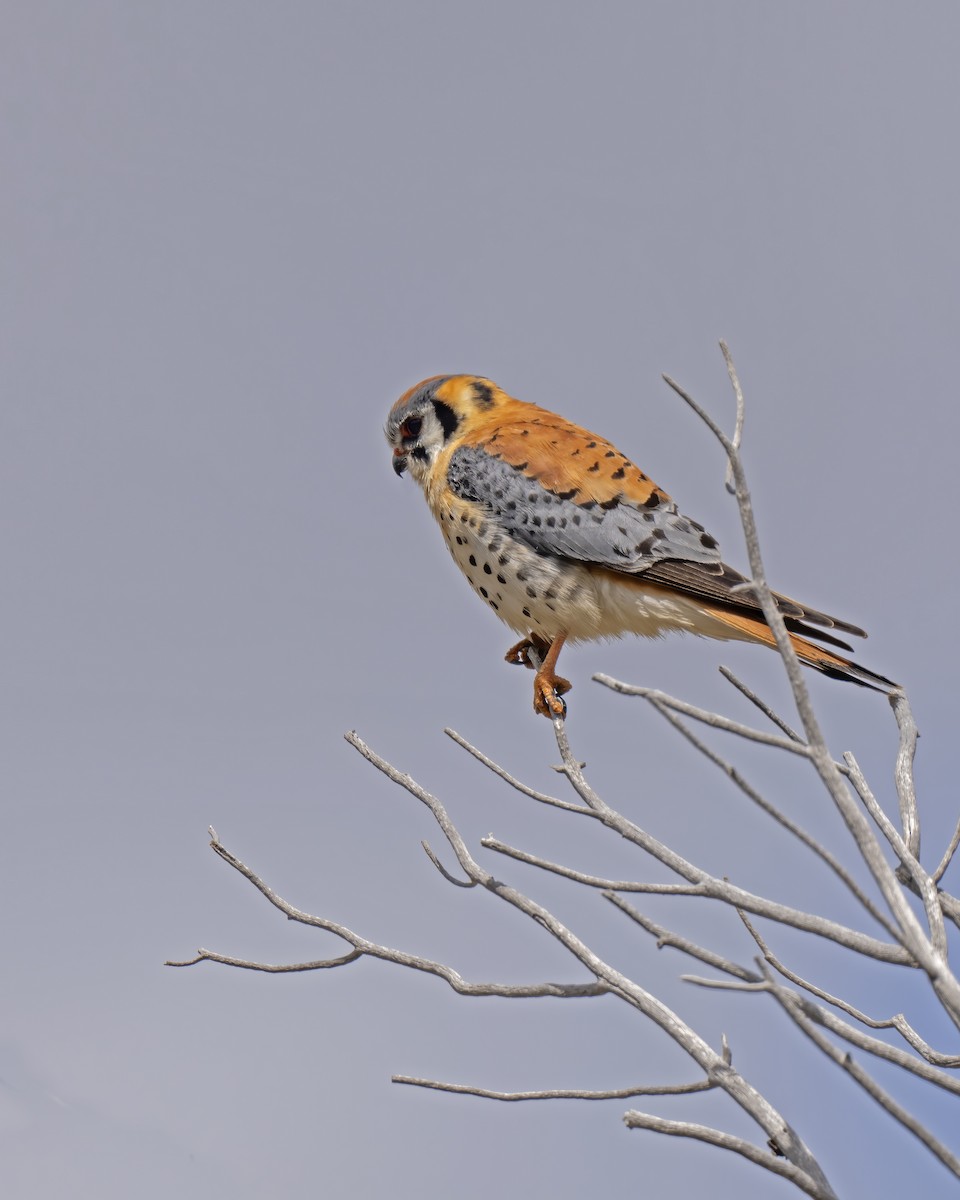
(411, 427)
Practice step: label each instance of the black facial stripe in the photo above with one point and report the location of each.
(419, 453)
(447, 417)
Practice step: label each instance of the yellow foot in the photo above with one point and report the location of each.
(548, 690)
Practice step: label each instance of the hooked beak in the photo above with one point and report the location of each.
(399, 461)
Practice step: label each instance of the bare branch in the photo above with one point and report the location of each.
(741, 412)
(903, 771)
(463, 883)
(797, 1010)
(361, 946)
(781, 818)
(862, 1040)
(726, 985)
(721, 889)
(594, 881)
(666, 937)
(818, 1188)
(714, 720)
(761, 704)
(947, 855)
(925, 886)
(933, 963)
(463, 1089)
(271, 968)
(713, 1065)
(540, 797)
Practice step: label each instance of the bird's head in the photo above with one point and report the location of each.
(427, 418)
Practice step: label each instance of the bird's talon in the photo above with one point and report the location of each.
(519, 655)
(548, 693)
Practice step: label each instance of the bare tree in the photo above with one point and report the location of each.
(902, 902)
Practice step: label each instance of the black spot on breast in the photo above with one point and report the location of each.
(484, 593)
(486, 569)
(495, 605)
(526, 612)
(530, 592)
(523, 575)
(503, 560)
(472, 560)
(536, 521)
(500, 578)
(551, 522)
(511, 506)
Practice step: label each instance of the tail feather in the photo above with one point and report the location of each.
(819, 658)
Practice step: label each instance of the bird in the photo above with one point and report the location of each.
(566, 540)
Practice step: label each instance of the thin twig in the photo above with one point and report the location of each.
(704, 715)
(741, 412)
(666, 937)
(462, 883)
(464, 1089)
(947, 855)
(761, 704)
(540, 797)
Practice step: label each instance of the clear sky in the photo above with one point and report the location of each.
(232, 234)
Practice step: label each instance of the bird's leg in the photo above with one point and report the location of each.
(520, 653)
(548, 688)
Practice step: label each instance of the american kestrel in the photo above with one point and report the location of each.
(567, 541)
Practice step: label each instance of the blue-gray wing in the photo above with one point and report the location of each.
(617, 532)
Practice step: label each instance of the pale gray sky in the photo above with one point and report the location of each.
(232, 234)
